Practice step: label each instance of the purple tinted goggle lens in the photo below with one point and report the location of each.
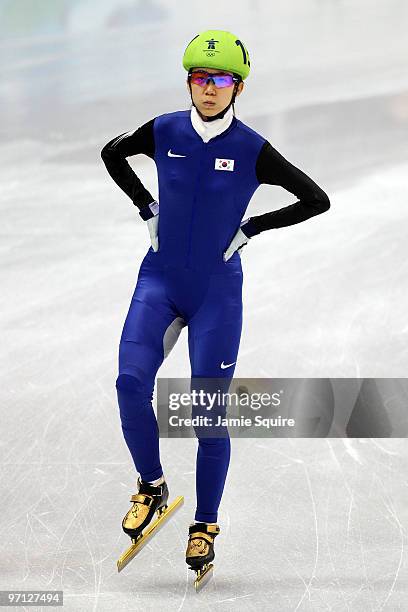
(201, 78)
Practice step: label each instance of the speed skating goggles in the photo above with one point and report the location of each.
(220, 79)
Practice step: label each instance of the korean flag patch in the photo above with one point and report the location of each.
(224, 164)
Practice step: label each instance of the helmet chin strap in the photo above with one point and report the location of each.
(221, 114)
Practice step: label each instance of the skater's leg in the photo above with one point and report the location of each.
(150, 331)
(139, 424)
(214, 337)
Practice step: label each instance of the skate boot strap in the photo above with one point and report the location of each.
(213, 530)
(149, 489)
(146, 500)
(199, 535)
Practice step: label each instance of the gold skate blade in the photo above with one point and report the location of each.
(153, 527)
(203, 577)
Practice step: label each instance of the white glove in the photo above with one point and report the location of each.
(153, 225)
(237, 243)
(150, 214)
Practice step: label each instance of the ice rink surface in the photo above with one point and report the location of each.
(306, 524)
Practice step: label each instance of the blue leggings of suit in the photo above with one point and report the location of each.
(166, 299)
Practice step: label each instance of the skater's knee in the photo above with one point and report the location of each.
(130, 384)
(217, 445)
(135, 386)
(133, 394)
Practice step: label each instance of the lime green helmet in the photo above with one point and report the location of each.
(217, 49)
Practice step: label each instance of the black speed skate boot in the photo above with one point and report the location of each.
(200, 551)
(136, 522)
(146, 501)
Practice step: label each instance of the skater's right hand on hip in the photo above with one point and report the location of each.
(153, 225)
(150, 214)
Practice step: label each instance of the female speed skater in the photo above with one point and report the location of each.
(209, 165)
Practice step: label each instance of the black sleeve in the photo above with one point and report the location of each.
(114, 155)
(273, 169)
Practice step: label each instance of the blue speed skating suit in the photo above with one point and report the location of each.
(204, 191)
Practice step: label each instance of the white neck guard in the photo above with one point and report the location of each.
(209, 129)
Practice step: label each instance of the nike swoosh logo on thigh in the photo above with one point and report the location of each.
(226, 365)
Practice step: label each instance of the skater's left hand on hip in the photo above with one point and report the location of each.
(237, 243)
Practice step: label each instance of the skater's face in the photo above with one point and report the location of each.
(219, 96)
